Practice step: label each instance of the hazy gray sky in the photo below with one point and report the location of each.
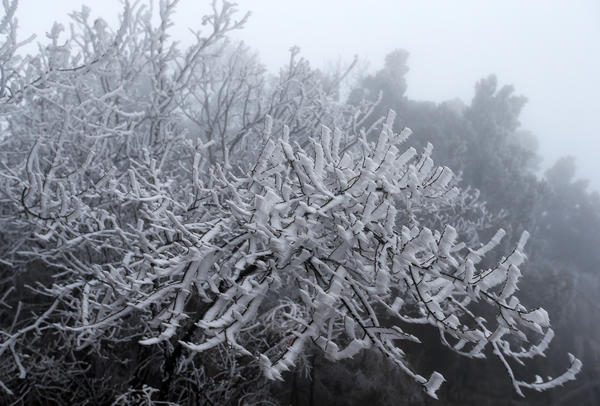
(548, 49)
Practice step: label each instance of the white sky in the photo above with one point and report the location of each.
(548, 49)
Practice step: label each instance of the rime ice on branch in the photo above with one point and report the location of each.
(321, 226)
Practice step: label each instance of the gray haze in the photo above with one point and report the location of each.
(548, 49)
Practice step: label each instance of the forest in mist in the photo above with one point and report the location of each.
(180, 225)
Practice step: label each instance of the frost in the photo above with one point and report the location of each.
(433, 384)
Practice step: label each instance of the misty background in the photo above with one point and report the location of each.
(549, 50)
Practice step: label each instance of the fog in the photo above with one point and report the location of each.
(549, 50)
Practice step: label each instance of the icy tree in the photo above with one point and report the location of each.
(217, 265)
